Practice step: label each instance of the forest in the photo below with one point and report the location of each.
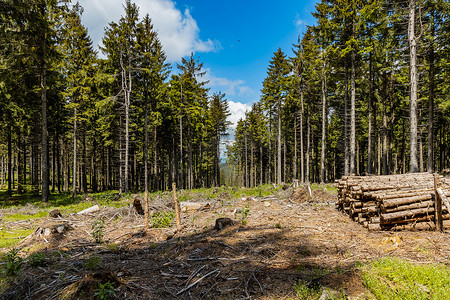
(71, 121)
(363, 91)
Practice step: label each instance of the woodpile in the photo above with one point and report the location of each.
(393, 201)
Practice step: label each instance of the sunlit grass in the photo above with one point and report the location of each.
(10, 238)
(393, 278)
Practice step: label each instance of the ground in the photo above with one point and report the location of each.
(277, 243)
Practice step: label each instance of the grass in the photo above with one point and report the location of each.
(14, 210)
(10, 238)
(305, 292)
(331, 188)
(28, 206)
(393, 278)
(162, 219)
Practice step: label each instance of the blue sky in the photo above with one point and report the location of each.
(235, 38)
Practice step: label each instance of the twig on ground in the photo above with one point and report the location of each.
(193, 274)
(197, 281)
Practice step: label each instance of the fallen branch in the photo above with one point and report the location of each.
(197, 281)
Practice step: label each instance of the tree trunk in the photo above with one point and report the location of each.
(260, 164)
(352, 116)
(83, 166)
(346, 137)
(302, 163)
(155, 158)
(430, 160)
(251, 163)
(294, 162)
(369, 133)
(279, 144)
(385, 133)
(413, 86)
(324, 125)
(246, 163)
(127, 137)
(218, 158)
(181, 152)
(58, 162)
(9, 161)
(146, 220)
(308, 146)
(270, 145)
(45, 165)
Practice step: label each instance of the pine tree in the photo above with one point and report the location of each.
(79, 58)
(274, 93)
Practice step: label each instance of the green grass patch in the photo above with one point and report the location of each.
(393, 278)
(162, 219)
(331, 188)
(21, 217)
(308, 293)
(10, 238)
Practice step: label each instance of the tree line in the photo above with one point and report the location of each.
(73, 122)
(364, 91)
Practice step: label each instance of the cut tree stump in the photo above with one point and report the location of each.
(55, 214)
(137, 204)
(221, 223)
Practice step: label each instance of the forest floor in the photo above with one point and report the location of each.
(280, 246)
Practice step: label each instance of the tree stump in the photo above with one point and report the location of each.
(221, 223)
(137, 203)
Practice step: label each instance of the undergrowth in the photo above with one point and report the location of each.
(393, 278)
(10, 238)
(162, 219)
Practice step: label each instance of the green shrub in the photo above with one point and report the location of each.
(104, 291)
(36, 259)
(97, 230)
(162, 219)
(307, 293)
(13, 262)
(92, 263)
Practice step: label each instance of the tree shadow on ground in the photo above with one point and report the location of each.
(238, 262)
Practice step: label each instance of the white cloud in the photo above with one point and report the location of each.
(178, 31)
(237, 111)
(230, 87)
(298, 22)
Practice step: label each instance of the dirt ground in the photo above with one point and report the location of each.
(286, 238)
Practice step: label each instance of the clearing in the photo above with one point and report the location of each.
(281, 246)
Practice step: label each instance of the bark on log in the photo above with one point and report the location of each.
(385, 218)
(406, 200)
(374, 227)
(444, 199)
(422, 204)
(418, 218)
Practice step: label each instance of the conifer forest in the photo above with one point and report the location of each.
(366, 90)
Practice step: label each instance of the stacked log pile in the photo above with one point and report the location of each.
(384, 202)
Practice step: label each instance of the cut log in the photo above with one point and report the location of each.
(420, 226)
(88, 210)
(390, 200)
(406, 200)
(374, 227)
(415, 219)
(375, 220)
(444, 199)
(406, 213)
(421, 204)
